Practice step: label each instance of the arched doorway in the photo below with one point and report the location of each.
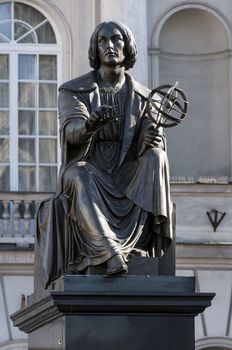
(194, 49)
(214, 343)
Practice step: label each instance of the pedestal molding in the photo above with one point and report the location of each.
(75, 303)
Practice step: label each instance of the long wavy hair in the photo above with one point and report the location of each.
(130, 48)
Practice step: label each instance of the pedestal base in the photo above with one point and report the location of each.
(98, 312)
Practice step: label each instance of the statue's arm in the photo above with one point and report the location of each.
(73, 114)
(150, 136)
(76, 132)
(77, 122)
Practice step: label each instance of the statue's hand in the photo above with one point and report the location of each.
(101, 116)
(153, 137)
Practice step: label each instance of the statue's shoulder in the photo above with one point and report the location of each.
(83, 83)
(139, 88)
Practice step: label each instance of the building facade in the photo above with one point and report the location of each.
(44, 43)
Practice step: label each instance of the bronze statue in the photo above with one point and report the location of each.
(113, 195)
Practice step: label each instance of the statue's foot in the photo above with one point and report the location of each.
(139, 252)
(116, 265)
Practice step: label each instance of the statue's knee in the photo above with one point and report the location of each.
(156, 153)
(76, 174)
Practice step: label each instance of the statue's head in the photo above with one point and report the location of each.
(130, 48)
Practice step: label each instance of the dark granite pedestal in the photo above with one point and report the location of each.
(128, 312)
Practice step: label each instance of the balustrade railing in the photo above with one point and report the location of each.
(17, 216)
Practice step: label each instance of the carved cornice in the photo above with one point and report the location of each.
(189, 56)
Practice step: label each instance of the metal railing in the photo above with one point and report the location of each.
(18, 216)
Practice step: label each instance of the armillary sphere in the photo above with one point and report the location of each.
(167, 105)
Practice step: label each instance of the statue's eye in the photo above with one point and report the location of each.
(117, 38)
(102, 40)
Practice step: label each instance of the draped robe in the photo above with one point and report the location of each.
(113, 192)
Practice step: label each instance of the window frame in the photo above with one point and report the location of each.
(14, 49)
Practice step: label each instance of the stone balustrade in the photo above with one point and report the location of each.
(17, 216)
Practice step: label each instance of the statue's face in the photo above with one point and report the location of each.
(110, 46)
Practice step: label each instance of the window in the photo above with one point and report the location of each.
(28, 99)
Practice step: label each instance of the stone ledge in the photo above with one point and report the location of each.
(200, 189)
(17, 257)
(216, 250)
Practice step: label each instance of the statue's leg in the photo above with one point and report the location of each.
(82, 201)
(147, 185)
(155, 162)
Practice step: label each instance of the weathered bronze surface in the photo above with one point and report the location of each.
(113, 195)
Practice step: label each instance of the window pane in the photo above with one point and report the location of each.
(27, 67)
(26, 178)
(47, 67)
(46, 34)
(28, 39)
(47, 151)
(26, 122)
(4, 150)
(47, 178)
(4, 95)
(5, 29)
(28, 14)
(20, 29)
(4, 123)
(5, 12)
(4, 67)
(26, 150)
(47, 95)
(48, 123)
(26, 95)
(5, 178)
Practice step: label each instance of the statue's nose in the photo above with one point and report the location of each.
(110, 43)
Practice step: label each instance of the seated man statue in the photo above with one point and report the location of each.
(113, 195)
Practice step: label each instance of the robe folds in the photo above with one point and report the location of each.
(113, 192)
